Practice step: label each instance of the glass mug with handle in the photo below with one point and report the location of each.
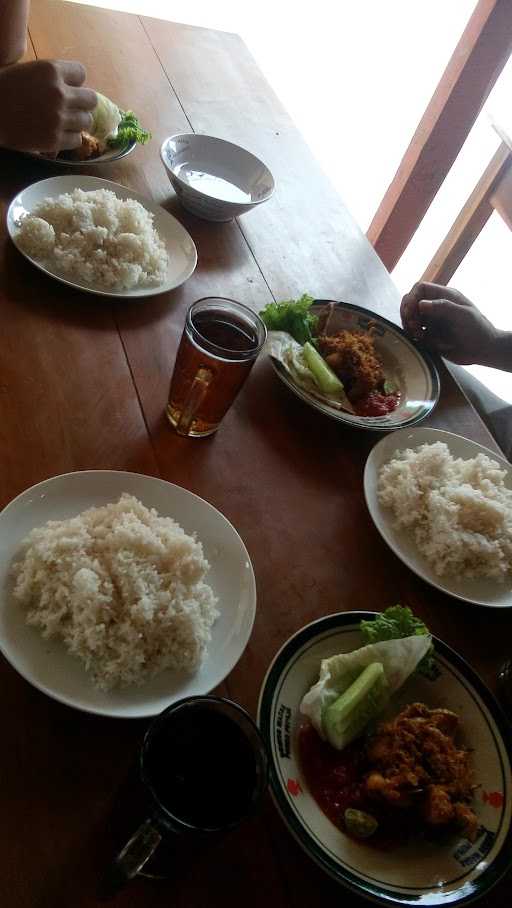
(203, 768)
(219, 345)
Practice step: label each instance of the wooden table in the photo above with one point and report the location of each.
(83, 384)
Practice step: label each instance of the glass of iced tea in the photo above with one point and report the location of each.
(220, 342)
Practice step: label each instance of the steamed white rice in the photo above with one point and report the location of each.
(459, 512)
(123, 588)
(97, 239)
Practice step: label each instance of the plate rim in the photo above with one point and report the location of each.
(149, 204)
(368, 467)
(89, 162)
(338, 415)
(143, 712)
(490, 876)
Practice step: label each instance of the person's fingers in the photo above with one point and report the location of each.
(82, 99)
(72, 72)
(425, 291)
(70, 140)
(77, 120)
(436, 310)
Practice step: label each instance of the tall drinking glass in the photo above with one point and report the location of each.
(220, 342)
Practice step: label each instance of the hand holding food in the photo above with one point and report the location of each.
(110, 128)
(449, 324)
(44, 106)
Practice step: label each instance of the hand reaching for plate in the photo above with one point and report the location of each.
(450, 324)
(44, 107)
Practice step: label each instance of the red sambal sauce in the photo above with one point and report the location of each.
(333, 777)
(335, 780)
(376, 403)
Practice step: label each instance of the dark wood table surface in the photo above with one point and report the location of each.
(83, 384)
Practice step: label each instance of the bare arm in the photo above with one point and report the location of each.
(13, 30)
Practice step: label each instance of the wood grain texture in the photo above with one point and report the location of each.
(472, 70)
(86, 380)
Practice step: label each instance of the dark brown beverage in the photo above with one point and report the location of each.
(202, 768)
(219, 345)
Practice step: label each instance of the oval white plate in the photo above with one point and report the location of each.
(180, 245)
(479, 592)
(417, 873)
(412, 371)
(47, 665)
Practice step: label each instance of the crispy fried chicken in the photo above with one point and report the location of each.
(90, 148)
(416, 763)
(351, 355)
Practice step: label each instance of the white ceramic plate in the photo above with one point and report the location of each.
(417, 873)
(110, 156)
(180, 246)
(480, 592)
(48, 666)
(411, 370)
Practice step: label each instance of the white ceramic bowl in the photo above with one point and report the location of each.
(214, 179)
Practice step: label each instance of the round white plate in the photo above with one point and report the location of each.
(180, 246)
(480, 592)
(416, 873)
(412, 371)
(110, 156)
(47, 665)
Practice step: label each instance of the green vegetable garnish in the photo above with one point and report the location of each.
(115, 127)
(348, 716)
(325, 378)
(359, 823)
(129, 130)
(292, 316)
(396, 622)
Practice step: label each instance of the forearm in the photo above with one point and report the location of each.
(13, 30)
(499, 353)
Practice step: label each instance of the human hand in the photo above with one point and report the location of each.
(44, 107)
(448, 323)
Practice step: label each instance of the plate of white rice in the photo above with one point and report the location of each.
(100, 237)
(121, 593)
(443, 504)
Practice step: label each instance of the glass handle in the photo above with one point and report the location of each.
(131, 859)
(194, 399)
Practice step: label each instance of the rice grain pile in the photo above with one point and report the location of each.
(458, 511)
(97, 239)
(123, 588)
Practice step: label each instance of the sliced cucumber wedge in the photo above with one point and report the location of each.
(348, 716)
(325, 378)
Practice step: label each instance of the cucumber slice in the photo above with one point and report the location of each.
(348, 716)
(325, 378)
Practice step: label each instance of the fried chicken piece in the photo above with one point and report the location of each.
(90, 148)
(351, 355)
(437, 807)
(415, 762)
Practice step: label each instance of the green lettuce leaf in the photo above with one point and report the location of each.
(292, 316)
(394, 623)
(129, 130)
